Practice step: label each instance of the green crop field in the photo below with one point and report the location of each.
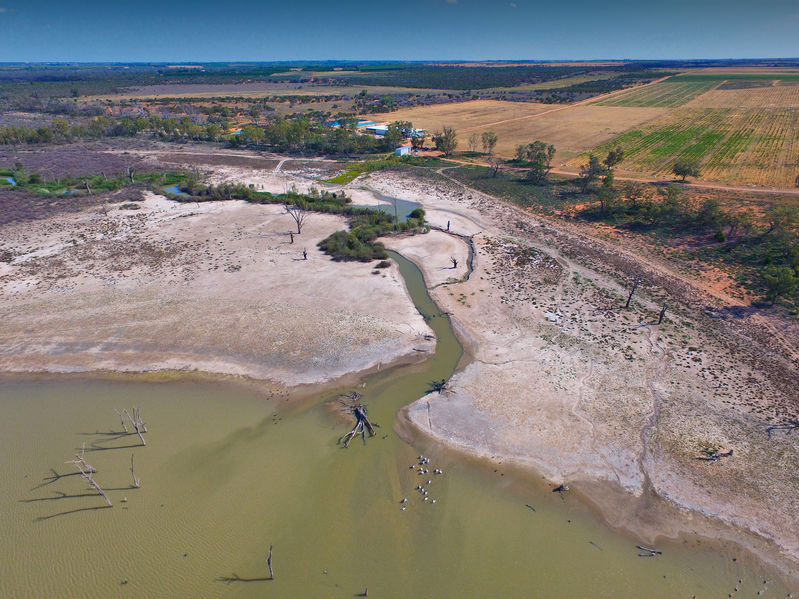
(742, 129)
(666, 94)
(748, 146)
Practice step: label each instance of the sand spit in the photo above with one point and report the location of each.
(215, 287)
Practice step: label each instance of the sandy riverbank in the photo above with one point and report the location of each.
(565, 382)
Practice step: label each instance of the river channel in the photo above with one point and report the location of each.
(227, 472)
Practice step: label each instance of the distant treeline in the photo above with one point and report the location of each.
(73, 80)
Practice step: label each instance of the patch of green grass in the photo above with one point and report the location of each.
(553, 193)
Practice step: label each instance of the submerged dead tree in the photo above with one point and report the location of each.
(136, 422)
(352, 403)
(136, 481)
(86, 471)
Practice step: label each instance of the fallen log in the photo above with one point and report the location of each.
(787, 426)
(714, 456)
(647, 552)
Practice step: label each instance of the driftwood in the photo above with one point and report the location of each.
(714, 456)
(362, 423)
(136, 481)
(560, 489)
(787, 426)
(269, 564)
(647, 552)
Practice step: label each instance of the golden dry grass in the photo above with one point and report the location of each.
(571, 128)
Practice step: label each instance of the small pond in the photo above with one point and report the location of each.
(175, 190)
(387, 203)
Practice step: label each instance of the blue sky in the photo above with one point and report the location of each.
(46, 30)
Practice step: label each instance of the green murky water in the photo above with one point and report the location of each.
(226, 473)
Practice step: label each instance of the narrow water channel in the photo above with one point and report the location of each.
(226, 473)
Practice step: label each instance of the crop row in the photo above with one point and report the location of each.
(749, 146)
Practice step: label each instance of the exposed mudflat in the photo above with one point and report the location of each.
(566, 381)
(217, 287)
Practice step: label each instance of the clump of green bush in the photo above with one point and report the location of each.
(359, 243)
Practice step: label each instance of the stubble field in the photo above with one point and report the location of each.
(573, 129)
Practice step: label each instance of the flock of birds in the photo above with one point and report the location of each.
(422, 470)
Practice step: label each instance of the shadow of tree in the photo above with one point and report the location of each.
(81, 509)
(236, 578)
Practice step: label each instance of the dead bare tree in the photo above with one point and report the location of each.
(454, 262)
(130, 172)
(269, 564)
(494, 163)
(137, 423)
(80, 457)
(121, 419)
(662, 313)
(636, 282)
(298, 213)
(788, 426)
(80, 464)
(136, 481)
(352, 403)
(714, 455)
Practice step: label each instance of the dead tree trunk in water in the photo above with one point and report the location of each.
(636, 282)
(88, 476)
(136, 481)
(137, 423)
(269, 564)
(362, 423)
(122, 420)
